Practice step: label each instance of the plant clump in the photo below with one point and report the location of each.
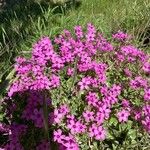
(79, 91)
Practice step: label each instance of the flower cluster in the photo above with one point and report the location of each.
(66, 142)
(74, 85)
(121, 36)
(16, 134)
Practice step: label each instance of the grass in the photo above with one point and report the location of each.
(22, 25)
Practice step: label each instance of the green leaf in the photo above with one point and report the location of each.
(110, 136)
(123, 127)
(132, 134)
(129, 124)
(113, 121)
(114, 147)
(1, 117)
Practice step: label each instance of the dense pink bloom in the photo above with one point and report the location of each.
(97, 132)
(92, 98)
(85, 59)
(76, 127)
(121, 36)
(40, 49)
(44, 145)
(147, 94)
(129, 50)
(90, 36)
(78, 31)
(55, 81)
(146, 110)
(17, 131)
(120, 57)
(66, 142)
(103, 45)
(146, 123)
(94, 83)
(104, 90)
(138, 82)
(146, 67)
(37, 118)
(104, 109)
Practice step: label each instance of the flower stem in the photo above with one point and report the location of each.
(45, 111)
(74, 74)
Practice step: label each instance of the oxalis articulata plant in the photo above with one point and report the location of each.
(79, 91)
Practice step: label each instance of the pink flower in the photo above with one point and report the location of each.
(115, 90)
(146, 123)
(99, 118)
(88, 115)
(101, 134)
(99, 67)
(104, 90)
(85, 59)
(104, 109)
(90, 36)
(66, 142)
(64, 109)
(72, 126)
(59, 113)
(125, 103)
(58, 116)
(70, 71)
(123, 115)
(84, 83)
(57, 63)
(93, 130)
(58, 135)
(137, 115)
(128, 72)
